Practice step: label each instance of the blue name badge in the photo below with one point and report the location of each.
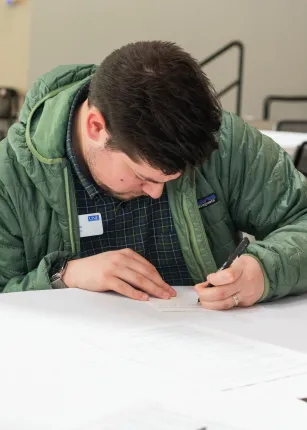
(90, 225)
(93, 218)
(207, 201)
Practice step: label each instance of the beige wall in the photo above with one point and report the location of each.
(274, 32)
(14, 45)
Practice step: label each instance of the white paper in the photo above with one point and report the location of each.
(185, 301)
(216, 360)
(155, 417)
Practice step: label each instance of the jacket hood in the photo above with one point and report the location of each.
(44, 115)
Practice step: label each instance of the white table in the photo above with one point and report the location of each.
(49, 368)
(289, 141)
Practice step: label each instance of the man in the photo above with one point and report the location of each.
(130, 178)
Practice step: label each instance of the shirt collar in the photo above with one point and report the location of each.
(89, 185)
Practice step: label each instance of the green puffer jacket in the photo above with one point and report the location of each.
(258, 191)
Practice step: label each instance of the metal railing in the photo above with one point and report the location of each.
(271, 99)
(239, 81)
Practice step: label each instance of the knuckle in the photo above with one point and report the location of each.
(139, 279)
(153, 271)
(230, 276)
(250, 277)
(154, 274)
(220, 294)
(115, 259)
(106, 275)
(127, 251)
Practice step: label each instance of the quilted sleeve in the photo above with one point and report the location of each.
(14, 275)
(268, 199)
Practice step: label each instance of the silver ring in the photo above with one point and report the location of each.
(235, 299)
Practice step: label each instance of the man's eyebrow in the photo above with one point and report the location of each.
(144, 178)
(148, 179)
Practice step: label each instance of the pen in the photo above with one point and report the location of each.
(240, 249)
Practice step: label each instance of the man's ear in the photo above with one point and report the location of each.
(96, 126)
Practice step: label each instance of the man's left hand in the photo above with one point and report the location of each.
(244, 280)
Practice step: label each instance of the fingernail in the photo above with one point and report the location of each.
(145, 297)
(173, 293)
(165, 296)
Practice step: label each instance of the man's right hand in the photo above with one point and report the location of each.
(118, 271)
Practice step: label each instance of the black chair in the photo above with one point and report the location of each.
(9, 105)
(300, 158)
(299, 126)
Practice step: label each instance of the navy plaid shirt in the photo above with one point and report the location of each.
(142, 224)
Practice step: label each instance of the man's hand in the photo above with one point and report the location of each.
(244, 279)
(118, 271)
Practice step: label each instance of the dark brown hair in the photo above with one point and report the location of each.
(158, 105)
